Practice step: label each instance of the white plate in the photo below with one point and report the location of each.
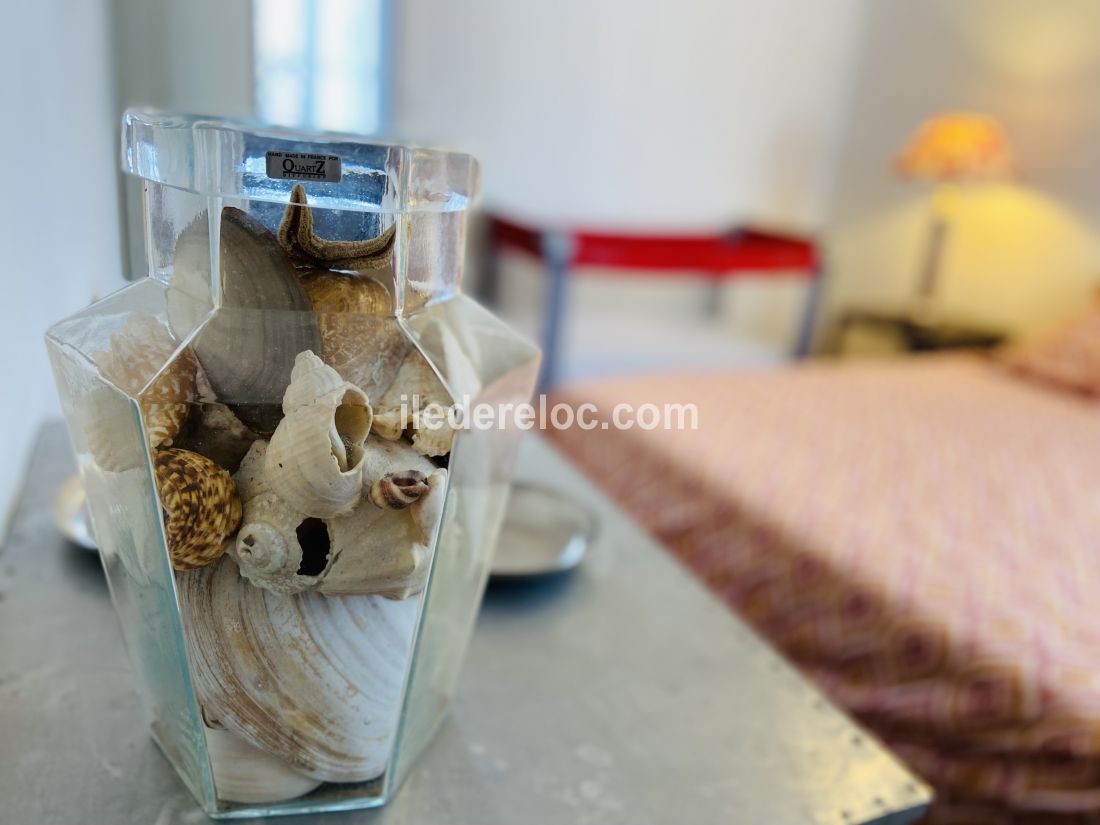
(543, 532)
(70, 515)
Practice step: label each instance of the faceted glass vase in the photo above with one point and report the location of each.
(295, 527)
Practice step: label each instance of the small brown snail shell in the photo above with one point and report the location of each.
(396, 491)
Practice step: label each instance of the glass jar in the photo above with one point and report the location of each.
(295, 526)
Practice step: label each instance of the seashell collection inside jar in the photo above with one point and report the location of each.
(300, 532)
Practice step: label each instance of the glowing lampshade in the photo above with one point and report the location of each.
(956, 146)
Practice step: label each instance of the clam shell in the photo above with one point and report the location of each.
(315, 681)
(415, 390)
(244, 773)
(314, 460)
(360, 338)
(142, 362)
(201, 507)
(264, 319)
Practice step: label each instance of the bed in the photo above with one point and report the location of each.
(921, 536)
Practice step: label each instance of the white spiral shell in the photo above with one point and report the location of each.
(314, 460)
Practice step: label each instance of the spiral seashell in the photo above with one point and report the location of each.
(398, 490)
(360, 338)
(280, 549)
(244, 773)
(314, 681)
(141, 361)
(415, 391)
(201, 507)
(271, 547)
(277, 548)
(249, 477)
(314, 460)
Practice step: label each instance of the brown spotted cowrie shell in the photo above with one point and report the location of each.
(201, 507)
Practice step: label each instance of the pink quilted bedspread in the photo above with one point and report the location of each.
(921, 537)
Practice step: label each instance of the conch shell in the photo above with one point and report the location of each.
(201, 507)
(373, 550)
(244, 773)
(360, 338)
(416, 396)
(314, 461)
(278, 548)
(386, 551)
(247, 347)
(314, 681)
(141, 349)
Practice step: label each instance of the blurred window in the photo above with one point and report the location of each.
(320, 64)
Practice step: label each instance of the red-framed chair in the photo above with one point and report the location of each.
(737, 253)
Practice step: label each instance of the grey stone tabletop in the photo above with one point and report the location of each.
(619, 693)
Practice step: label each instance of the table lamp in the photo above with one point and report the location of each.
(950, 149)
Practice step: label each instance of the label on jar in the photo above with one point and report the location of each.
(303, 166)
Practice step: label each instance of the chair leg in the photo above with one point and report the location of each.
(557, 253)
(809, 316)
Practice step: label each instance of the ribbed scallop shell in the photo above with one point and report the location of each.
(138, 351)
(201, 507)
(360, 338)
(315, 681)
(314, 460)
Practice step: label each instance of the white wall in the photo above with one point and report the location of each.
(71, 68)
(1021, 254)
(618, 112)
(194, 57)
(191, 57)
(60, 213)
